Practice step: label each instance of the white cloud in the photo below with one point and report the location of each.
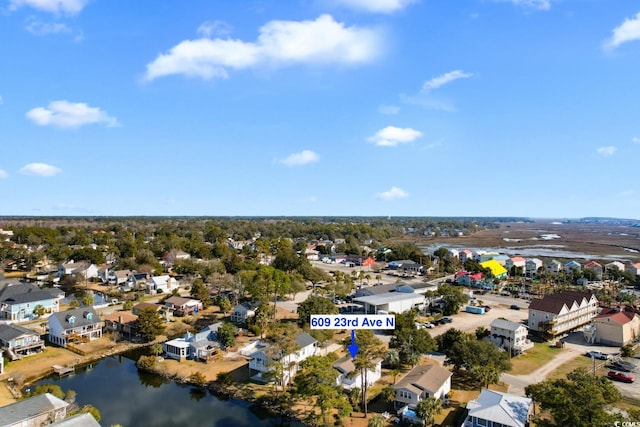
(389, 110)
(392, 136)
(280, 43)
(67, 7)
(375, 6)
(628, 31)
(218, 28)
(65, 114)
(3, 174)
(606, 151)
(40, 28)
(302, 158)
(533, 4)
(634, 139)
(393, 193)
(442, 80)
(40, 169)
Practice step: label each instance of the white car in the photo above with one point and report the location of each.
(598, 355)
(429, 325)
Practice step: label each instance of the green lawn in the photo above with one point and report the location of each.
(534, 358)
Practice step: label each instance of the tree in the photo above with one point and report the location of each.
(128, 305)
(317, 380)
(224, 304)
(410, 341)
(39, 310)
(428, 408)
(149, 324)
(225, 379)
(452, 298)
(74, 304)
(377, 421)
(156, 349)
(370, 349)
(200, 291)
(87, 300)
(198, 379)
(315, 305)
(483, 359)
(227, 334)
(581, 399)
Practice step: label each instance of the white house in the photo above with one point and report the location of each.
(615, 265)
(349, 378)
(510, 336)
(557, 314)
(422, 382)
(531, 267)
(262, 359)
(161, 284)
(80, 325)
(186, 305)
(84, 268)
(552, 266)
(493, 408)
(242, 312)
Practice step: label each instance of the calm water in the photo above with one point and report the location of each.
(135, 399)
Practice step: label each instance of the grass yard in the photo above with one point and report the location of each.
(579, 362)
(534, 358)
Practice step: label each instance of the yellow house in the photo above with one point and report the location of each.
(498, 271)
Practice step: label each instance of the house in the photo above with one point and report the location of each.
(35, 411)
(77, 325)
(202, 346)
(312, 254)
(515, 265)
(552, 267)
(138, 280)
(571, 266)
(488, 256)
(596, 268)
(391, 302)
(161, 284)
(510, 336)
(493, 408)
(83, 268)
(412, 268)
(84, 419)
(560, 313)
(18, 300)
(476, 254)
(616, 326)
(474, 280)
(184, 305)
(18, 342)
(531, 267)
(422, 382)
(464, 255)
(119, 277)
(122, 322)
(615, 265)
(261, 360)
(635, 269)
(498, 271)
(454, 253)
(242, 312)
(349, 378)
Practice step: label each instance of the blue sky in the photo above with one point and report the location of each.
(320, 107)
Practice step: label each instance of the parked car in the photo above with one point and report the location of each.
(621, 365)
(514, 307)
(620, 376)
(598, 355)
(487, 307)
(429, 325)
(446, 320)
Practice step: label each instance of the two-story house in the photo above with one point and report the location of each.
(349, 378)
(531, 267)
(18, 300)
(510, 336)
(558, 314)
(82, 268)
(77, 325)
(552, 267)
(596, 267)
(201, 346)
(161, 284)
(493, 408)
(422, 382)
(515, 266)
(38, 410)
(18, 342)
(262, 360)
(184, 305)
(242, 312)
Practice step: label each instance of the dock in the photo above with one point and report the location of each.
(62, 370)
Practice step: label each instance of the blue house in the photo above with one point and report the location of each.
(18, 300)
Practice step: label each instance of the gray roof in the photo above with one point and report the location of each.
(28, 408)
(504, 408)
(424, 377)
(304, 339)
(10, 332)
(81, 317)
(506, 324)
(23, 292)
(80, 420)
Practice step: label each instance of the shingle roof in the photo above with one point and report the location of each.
(10, 332)
(304, 339)
(28, 408)
(23, 292)
(553, 303)
(618, 316)
(424, 377)
(81, 316)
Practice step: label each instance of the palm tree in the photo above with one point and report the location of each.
(393, 357)
(378, 278)
(428, 408)
(377, 421)
(394, 373)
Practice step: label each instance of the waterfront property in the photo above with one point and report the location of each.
(78, 325)
(81, 420)
(35, 411)
(18, 301)
(262, 360)
(422, 382)
(18, 342)
(510, 336)
(493, 408)
(122, 322)
(560, 313)
(203, 346)
(349, 378)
